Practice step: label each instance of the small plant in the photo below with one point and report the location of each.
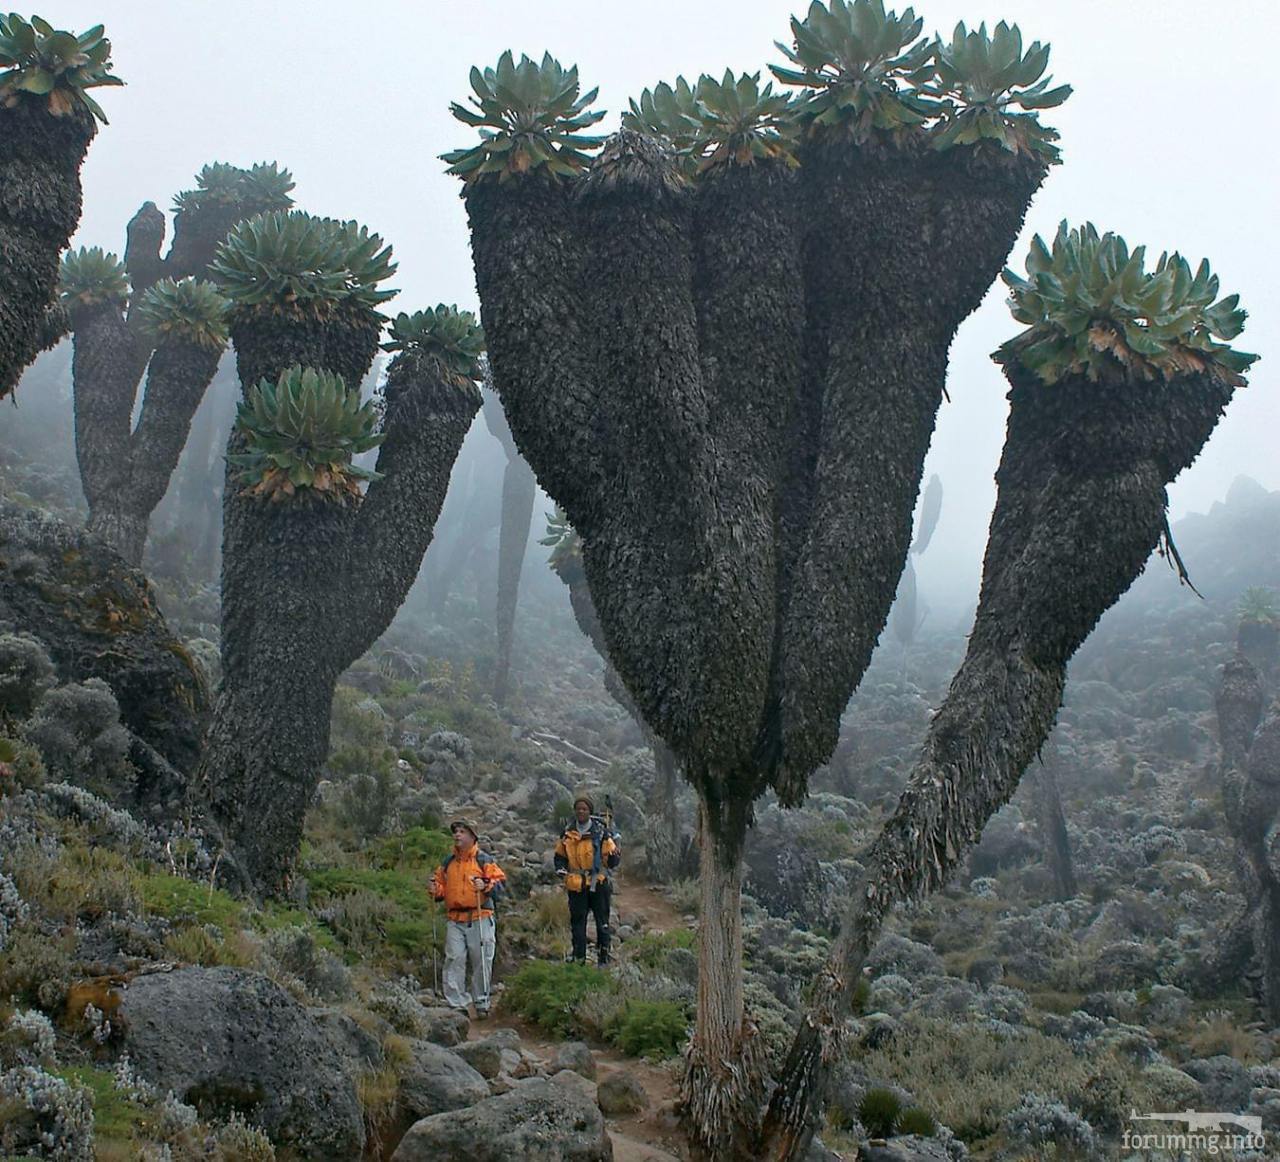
(651, 1029)
(26, 672)
(92, 277)
(914, 1120)
(879, 1110)
(565, 546)
(530, 117)
(76, 728)
(301, 433)
(549, 994)
(45, 63)
(190, 310)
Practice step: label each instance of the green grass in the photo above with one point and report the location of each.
(419, 847)
(548, 994)
(116, 1119)
(650, 950)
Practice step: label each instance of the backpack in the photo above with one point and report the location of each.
(496, 892)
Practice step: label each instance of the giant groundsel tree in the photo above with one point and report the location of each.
(315, 565)
(156, 317)
(47, 119)
(722, 343)
(737, 427)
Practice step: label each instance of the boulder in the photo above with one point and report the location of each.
(537, 1121)
(98, 618)
(911, 1148)
(575, 1055)
(620, 1094)
(435, 1080)
(485, 1057)
(446, 1026)
(226, 1039)
(1225, 1083)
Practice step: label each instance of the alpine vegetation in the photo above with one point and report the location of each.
(47, 119)
(313, 567)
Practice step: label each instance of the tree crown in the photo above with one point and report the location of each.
(300, 435)
(1258, 605)
(43, 63)
(1093, 309)
(530, 117)
(452, 338)
(92, 277)
(189, 310)
(718, 123)
(293, 260)
(258, 190)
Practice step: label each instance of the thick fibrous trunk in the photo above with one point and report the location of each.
(1250, 772)
(901, 251)
(1080, 508)
(723, 1086)
(125, 471)
(1052, 824)
(308, 586)
(40, 158)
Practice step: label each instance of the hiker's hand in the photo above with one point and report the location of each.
(478, 883)
(561, 871)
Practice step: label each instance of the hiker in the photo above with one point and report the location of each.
(469, 883)
(587, 852)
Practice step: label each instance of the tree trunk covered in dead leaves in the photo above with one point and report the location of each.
(40, 159)
(308, 585)
(730, 389)
(1080, 508)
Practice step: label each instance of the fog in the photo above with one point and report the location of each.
(1163, 141)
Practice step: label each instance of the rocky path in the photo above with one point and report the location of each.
(650, 1135)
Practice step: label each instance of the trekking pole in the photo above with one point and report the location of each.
(435, 948)
(484, 963)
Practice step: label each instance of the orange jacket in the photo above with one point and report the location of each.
(452, 884)
(575, 855)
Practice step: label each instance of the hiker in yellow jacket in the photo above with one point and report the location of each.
(586, 854)
(468, 882)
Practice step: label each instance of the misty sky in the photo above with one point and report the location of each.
(1166, 140)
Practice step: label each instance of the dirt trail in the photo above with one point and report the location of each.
(650, 1136)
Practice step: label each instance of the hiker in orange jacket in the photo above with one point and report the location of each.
(586, 854)
(468, 883)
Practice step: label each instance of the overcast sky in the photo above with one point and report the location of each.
(1166, 139)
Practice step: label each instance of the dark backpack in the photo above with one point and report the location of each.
(498, 890)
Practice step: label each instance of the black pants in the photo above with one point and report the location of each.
(597, 904)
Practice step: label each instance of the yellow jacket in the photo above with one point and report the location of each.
(576, 855)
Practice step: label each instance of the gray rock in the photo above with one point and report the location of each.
(361, 1047)
(911, 1148)
(537, 1121)
(446, 1026)
(571, 1080)
(228, 1039)
(484, 1057)
(620, 1094)
(98, 618)
(435, 1080)
(575, 1055)
(1224, 1081)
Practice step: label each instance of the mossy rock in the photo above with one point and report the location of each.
(98, 618)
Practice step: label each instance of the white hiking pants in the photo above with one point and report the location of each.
(468, 942)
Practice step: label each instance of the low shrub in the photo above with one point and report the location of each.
(914, 1120)
(651, 1029)
(879, 1110)
(548, 994)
